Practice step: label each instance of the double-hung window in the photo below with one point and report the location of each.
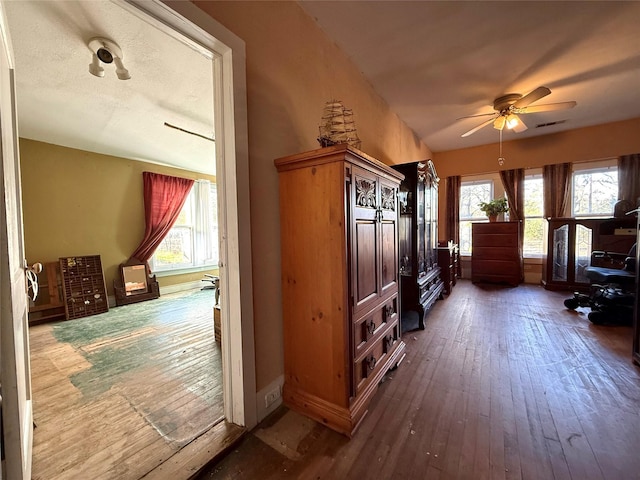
(192, 242)
(472, 193)
(594, 190)
(535, 227)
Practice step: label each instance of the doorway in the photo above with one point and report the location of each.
(238, 384)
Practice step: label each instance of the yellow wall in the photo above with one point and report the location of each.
(292, 70)
(583, 144)
(81, 203)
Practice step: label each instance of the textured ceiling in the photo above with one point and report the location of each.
(60, 102)
(434, 62)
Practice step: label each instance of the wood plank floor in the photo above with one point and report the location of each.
(118, 394)
(504, 383)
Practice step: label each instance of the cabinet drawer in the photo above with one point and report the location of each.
(370, 326)
(495, 253)
(495, 240)
(374, 358)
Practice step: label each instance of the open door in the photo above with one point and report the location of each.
(15, 375)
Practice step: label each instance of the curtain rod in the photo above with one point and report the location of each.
(190, 133)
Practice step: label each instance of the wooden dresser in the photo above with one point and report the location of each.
(339, 240)
(495, 255)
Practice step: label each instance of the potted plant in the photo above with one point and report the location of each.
(494, 207)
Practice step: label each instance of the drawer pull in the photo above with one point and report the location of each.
(371, 362)
(371, 327)
(388, 342)
(388, 311)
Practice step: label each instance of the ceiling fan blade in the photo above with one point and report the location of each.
(531, 97)
(548, 107)
(478, 115)
(475, 129)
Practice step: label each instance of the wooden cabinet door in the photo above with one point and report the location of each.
(374, 240)
(388, 236)
(365, 238)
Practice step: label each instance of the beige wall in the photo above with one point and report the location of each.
(591, 143)
(81, 203)
(579, 145)
(292, 70)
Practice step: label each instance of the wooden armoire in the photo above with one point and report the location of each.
(339, 248)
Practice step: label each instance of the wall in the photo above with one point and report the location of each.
(591, 143)
(292, 70)
(81, 203)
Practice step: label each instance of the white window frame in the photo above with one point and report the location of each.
(196, 265)
(591, 167)
(497, 190)
(536, 173)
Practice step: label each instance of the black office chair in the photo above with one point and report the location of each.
(612, 289)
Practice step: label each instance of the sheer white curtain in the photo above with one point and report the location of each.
(206, 225)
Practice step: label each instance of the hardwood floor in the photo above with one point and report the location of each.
(504, 383)
(117, 395)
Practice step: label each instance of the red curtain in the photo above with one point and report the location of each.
(164, 197)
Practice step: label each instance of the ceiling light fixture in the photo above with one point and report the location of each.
(512, 121)
(106, 51)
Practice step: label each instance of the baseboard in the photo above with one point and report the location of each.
(262, 409)
(179, 287)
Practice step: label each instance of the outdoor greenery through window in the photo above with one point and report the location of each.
(193, 240)
(471, 194)
(595, 192)
(534, 223)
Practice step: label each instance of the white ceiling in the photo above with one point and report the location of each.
(60, 102)
(433, 62)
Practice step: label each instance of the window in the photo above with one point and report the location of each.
(471, 195)
(534, 223)
(594, 192)
(193, 240)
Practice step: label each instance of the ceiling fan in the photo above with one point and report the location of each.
(508, 107)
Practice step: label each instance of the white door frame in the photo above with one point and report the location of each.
(232, 177)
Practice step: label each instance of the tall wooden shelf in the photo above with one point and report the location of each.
(83, 286)
(420, 279)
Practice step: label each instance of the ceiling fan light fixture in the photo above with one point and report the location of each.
(499, 122)
(512, 121)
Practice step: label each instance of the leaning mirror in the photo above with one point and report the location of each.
(134, 278)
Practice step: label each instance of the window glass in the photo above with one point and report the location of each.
(193, 240)
(471, 195)
(534, 223)
(594, 192)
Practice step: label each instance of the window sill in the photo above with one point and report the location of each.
(184, 270)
